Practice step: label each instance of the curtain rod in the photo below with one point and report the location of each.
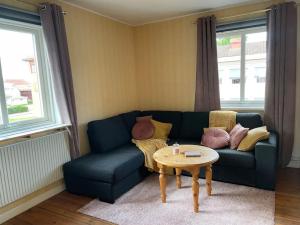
(245, 14)
(37, 5)
(242, 14)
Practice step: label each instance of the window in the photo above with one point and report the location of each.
(242, 67)
(234, 75)
(260, 74)
(26, 98)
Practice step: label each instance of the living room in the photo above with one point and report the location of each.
(110, 108)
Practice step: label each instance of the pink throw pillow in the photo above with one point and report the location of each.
(142, 130)
(215, 138)
(235, 129)
(236, 135)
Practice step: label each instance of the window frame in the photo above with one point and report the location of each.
(242, 103)
(50, 113)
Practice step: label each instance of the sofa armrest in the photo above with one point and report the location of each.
(266, 162)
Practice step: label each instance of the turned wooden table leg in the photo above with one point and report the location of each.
(162, 182)
(208, 176)
(195, 187)
(178, 177)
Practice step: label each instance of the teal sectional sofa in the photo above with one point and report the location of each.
(115, 164)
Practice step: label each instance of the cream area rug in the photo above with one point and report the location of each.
(229, 204)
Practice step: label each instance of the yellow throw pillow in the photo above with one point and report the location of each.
(162, 130)
(253, 136)
(206, 129)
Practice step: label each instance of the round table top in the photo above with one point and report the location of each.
(166, 157)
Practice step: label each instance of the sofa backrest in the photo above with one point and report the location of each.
(129, 119)
(173, 117)
(249, 120)
(192, 124)
(107, 134)
(113, 132)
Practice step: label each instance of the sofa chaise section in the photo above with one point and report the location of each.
(113, 167)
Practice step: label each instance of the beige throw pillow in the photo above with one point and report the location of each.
(253, 136)
(162, 130)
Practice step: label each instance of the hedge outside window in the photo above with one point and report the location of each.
(26, 96)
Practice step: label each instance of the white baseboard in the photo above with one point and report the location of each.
(31, 203)
(295, 162)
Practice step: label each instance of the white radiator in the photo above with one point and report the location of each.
(30, 165)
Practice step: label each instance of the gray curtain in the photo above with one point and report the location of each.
(281, 76)
(207, 95)
(52, 20)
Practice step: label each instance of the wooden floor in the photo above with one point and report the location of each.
(287, 198)
(61, 209)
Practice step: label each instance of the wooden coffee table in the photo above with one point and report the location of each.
(165, 158)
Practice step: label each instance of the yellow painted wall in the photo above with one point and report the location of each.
(117, 68)
(103, 64)
(166, 59)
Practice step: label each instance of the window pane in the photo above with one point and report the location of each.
(20, 76)
(255, 63)
(229, 61)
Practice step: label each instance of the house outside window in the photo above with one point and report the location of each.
(26, 96)
(242, 67)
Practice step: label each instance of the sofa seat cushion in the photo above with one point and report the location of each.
(234, 158)
(228, 157)
(109, 167)
(107, 134)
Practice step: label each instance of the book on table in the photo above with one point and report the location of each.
(192, 154)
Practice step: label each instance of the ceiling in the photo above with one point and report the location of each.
(137, 12)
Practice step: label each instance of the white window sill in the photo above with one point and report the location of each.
(28, 133)
(243, 108)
